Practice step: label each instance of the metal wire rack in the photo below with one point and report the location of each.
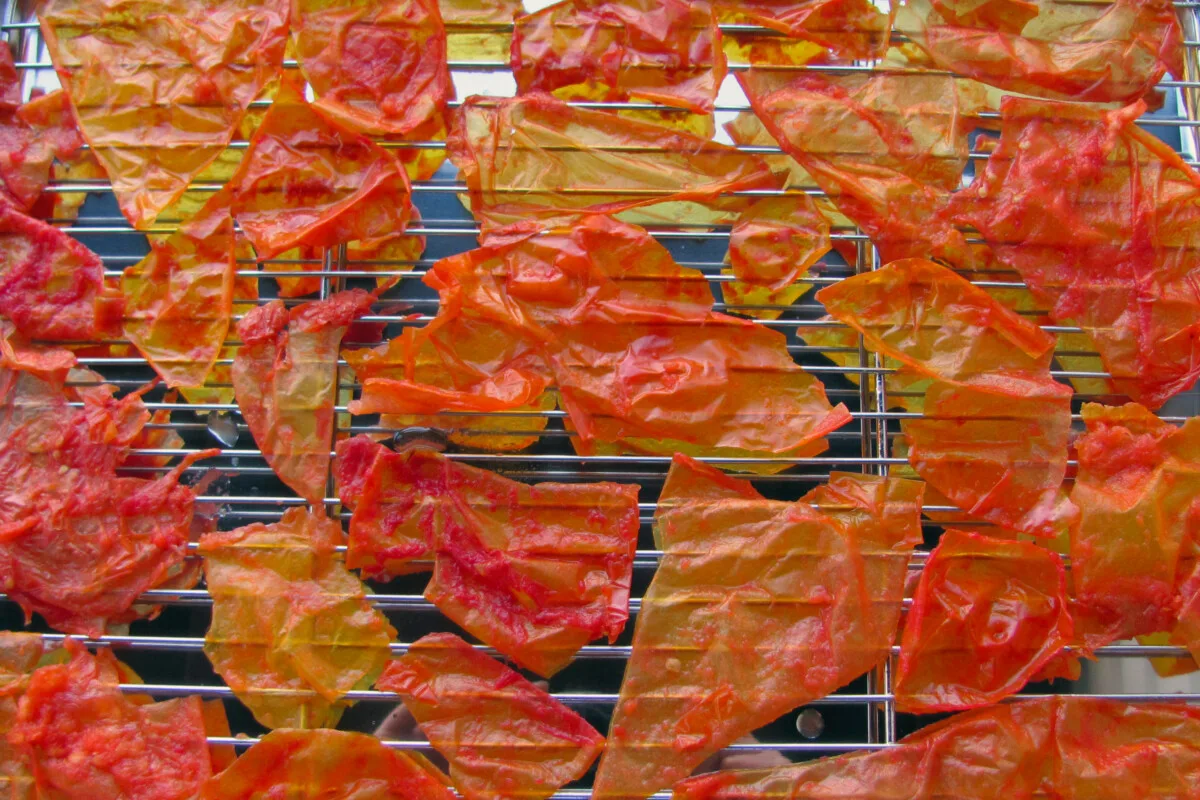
(167, 651)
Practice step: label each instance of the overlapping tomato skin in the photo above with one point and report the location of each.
(380, 69)
(179, 298)
(993, 437)
(619, 50)
(629, 339)
(1138, 488)
(888, 148)
(19, 655)
(285, 382)
(535, 571)
(155, 129)
(850, 28)
(87, 740)
(309, 180)
(1051, 48)
(1101, 220)
(25, 155)
(288, 615)
(51, 286)
(455, 363)
(327, 765)
(1049, 747)
(516, 156)
(987, 615)
(757, 607)
(503, 736)
(78, 544)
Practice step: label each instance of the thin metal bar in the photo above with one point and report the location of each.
(605, 652)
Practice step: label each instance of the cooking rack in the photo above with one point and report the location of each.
(167, 651)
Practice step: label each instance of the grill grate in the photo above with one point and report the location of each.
(166, 651)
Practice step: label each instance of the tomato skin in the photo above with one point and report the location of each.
(326, 764)
(888, 148)
(78, 544)
(1094, 213)
(510, 155)
(1054, 746)
(757, 607)
(51, 286)
(285, 383)
(659, 52)
(640, 360)
(987, 615)
(377, 68)
(993, 436)
(100, 49)
(287, 614)
(308, 180)
(1049, 48)
(536, 571)
(85, 739)
(503, 736)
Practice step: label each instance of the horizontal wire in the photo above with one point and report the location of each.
(609, 698)
(849, 69)
(607, 652)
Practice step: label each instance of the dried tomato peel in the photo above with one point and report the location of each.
(327, 765)
(179, 298)
(503, 736)
(757, 607)
(285, 382)
(629, 338)
(987, 615)
(78, 544)
(1049, 747)
(849, 28)
(292, 630)
(1138, 488)
(308, 180)
(888, 148)
(379, 69)
(25, 157)
(20, 654)
(536, 571)
(51, 286)
(515, 156)
(1098, 53)
(155, 130)
(1100, 219)
(776, 239)
(613, 51)
(994, 433)
(88, 740)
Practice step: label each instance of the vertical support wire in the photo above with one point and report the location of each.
(880, 716)
(332, 262)
(883, 675)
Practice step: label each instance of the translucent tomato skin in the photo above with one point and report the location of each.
(536, 571)
(1114, 52)
(1056, 746)
(284, 380)
(312, 764)
(993, 436)
(987, 615)
(757, 607)
(100, 49)
(503, 736)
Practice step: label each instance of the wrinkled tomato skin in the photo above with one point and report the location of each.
(519, 741)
